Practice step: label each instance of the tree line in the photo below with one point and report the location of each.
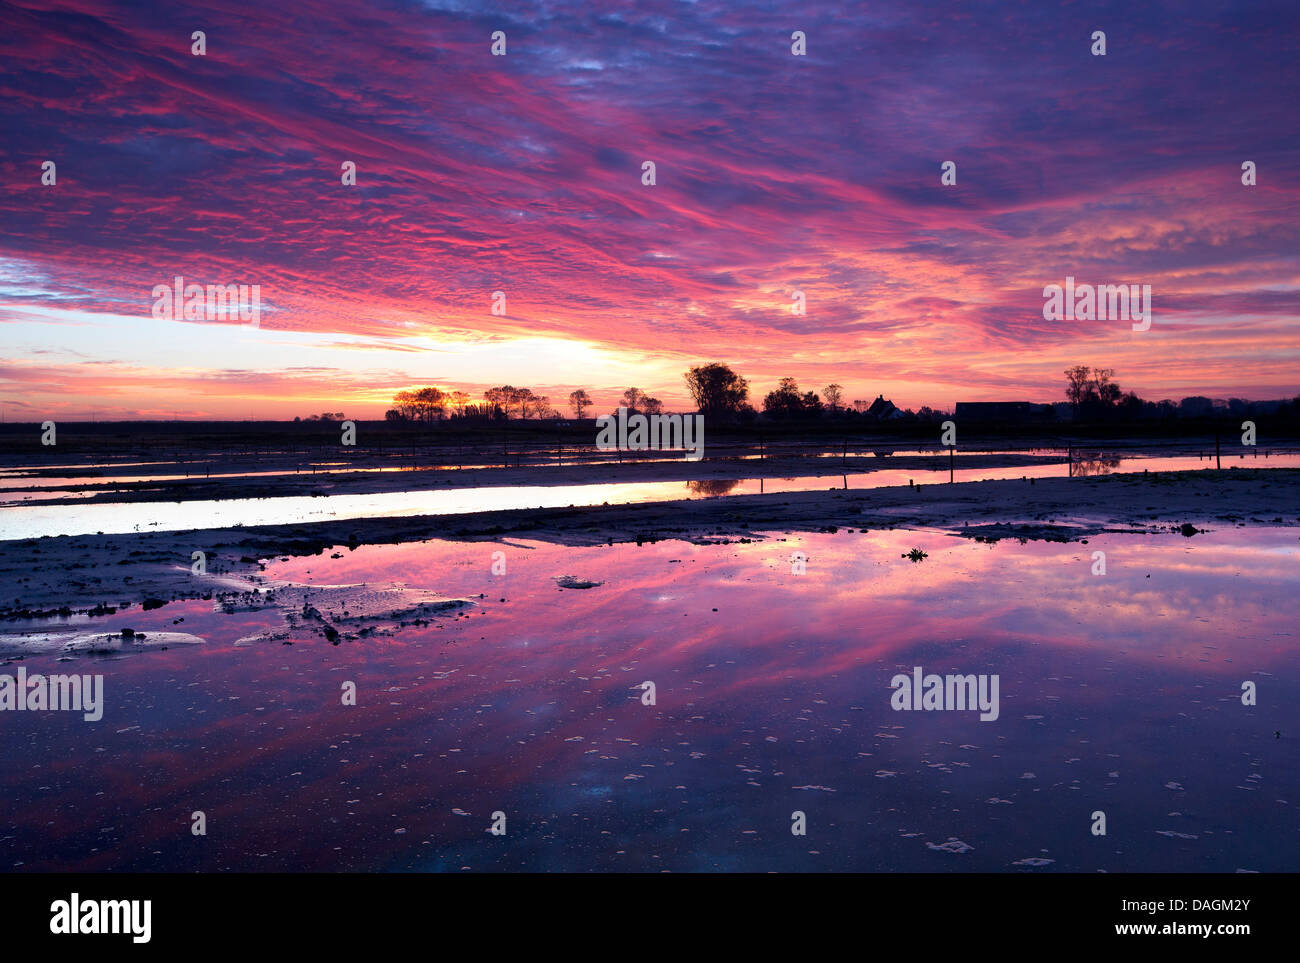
(721, 394)
(717, 391)
(1094, 395)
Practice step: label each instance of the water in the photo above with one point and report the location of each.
(1118, 693)
(19, 521)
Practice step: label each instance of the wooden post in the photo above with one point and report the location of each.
(1217, 463)
(952, 457)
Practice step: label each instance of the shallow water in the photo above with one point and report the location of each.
(19, 521)
(1118, 693)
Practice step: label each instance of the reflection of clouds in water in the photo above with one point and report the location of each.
(524, 706)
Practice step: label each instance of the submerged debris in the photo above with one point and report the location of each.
(573, 582)
(953, 845)
(124, 642)
(335, 611)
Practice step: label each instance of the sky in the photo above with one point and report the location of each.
(523, 173)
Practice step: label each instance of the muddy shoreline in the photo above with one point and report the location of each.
(67, 575)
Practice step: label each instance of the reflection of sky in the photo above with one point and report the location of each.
(1118, 692)
(20, 521)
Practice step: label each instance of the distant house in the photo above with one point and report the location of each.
(883, 410)
(1012, 412)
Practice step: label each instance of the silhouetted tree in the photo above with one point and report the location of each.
(421, 404)
(633, 398)
(1092, 391)
(1076, 385)
(787, 402)
(459, 400)
(717, 390)
(579, 401)
(499, 401)
(833, 395)
(508, 398)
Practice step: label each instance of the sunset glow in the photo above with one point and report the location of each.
(522, 173)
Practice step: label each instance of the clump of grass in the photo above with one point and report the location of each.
(915, 555)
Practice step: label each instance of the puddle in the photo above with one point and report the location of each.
(35, 521)
(772, 693)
